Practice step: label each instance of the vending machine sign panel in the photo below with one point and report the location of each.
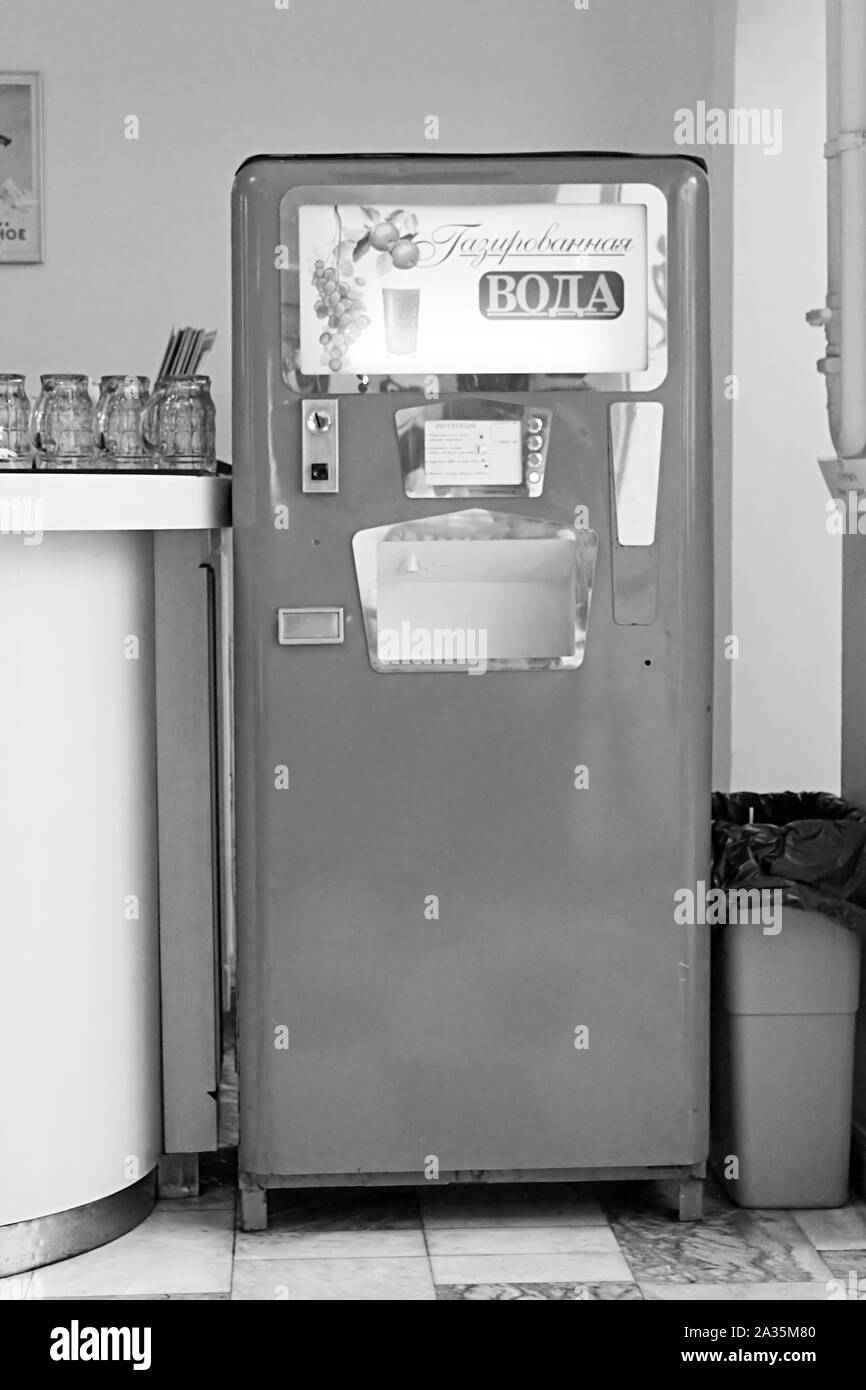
(500, 288)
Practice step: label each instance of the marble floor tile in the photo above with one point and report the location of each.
(849, 1266)
(330, 1244)
(727, 1246)
(533, 1293)
(171, 1252)
(440, 1208)
(390, 1279)
(519, 1240)
(814, 1292)
(836, 1228)
(575, 1267)
(344, 1209)
(486, 1242)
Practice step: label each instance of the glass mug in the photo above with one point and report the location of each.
(14, 422)
(178, 425)
(118, 421)
(63, 423)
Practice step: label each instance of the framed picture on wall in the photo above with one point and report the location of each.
(21, 222)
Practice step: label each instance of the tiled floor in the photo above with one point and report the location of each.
(618, 1241)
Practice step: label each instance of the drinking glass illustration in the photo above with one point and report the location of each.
(401, 320)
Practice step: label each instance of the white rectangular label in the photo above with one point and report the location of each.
(472, 453)
(502, 288)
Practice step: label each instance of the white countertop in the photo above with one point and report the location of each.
(113, 502)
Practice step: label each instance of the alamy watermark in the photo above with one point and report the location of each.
(846, 516)
(77, 1343)
(434, 646)
(854, 1289)
(738, 126)
(700, 907)
(22, 516)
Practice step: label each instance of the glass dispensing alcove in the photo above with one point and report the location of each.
(473, 660)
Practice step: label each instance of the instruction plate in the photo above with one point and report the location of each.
(467, 453)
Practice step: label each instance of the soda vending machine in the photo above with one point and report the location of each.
(473, 669)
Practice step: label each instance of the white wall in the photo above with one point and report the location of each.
(786, 569)
(138, 231)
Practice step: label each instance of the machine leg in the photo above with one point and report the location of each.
(690, 1199)
(178, 1175)
(254, 1209)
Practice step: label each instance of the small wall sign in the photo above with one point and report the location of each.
(21, 227)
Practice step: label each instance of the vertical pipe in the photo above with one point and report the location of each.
(834, 215)
(852, 162)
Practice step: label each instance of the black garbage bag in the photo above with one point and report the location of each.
(810, 845)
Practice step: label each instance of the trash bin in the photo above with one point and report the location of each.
(785, 995)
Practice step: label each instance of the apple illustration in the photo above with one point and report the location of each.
(383, 236)
(405, 254)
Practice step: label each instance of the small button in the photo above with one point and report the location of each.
(534, 424)
(534, 442)
(535, 477)
(535, 460)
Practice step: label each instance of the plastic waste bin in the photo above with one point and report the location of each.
(783, 1060)
(785, 998)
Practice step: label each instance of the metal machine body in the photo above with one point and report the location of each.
(471, 778)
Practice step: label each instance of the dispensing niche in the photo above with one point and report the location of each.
(516, 600)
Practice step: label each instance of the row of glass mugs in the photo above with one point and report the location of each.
(130, 427)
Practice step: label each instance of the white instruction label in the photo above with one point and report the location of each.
(473, 453)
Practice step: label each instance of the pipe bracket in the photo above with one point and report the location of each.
(847, 141)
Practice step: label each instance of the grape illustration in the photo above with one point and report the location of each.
(340, 301)
(340, 292)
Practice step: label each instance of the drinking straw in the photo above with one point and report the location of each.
(184, 351)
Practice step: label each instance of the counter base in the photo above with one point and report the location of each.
(44, 1240)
